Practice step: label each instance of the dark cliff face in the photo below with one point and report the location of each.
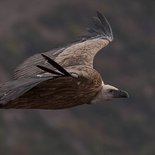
(119, 127)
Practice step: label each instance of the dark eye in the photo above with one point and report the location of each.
(111, 90)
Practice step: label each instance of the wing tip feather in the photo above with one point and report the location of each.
(101, 27)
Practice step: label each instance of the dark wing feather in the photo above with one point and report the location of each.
(101, 27)
(49, 70)
(56, 65)
(14, 89)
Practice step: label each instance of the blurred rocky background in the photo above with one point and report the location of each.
(122, 127)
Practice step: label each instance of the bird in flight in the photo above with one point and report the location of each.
(64, 77)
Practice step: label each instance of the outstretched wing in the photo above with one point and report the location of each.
(55, 89)
(79, 53)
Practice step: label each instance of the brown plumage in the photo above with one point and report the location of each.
(62, 78)
(60, 93)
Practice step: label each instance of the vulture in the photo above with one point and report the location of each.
(64, 77)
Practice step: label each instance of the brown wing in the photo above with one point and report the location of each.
(62, 92)
(80, 53)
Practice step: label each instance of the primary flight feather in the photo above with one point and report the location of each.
(64, 77)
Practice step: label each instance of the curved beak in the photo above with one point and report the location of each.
(120, 94)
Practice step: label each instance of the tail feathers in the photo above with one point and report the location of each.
(101, 27)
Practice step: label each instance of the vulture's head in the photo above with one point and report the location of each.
(109, 92)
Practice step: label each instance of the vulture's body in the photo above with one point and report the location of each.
(62, 78)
